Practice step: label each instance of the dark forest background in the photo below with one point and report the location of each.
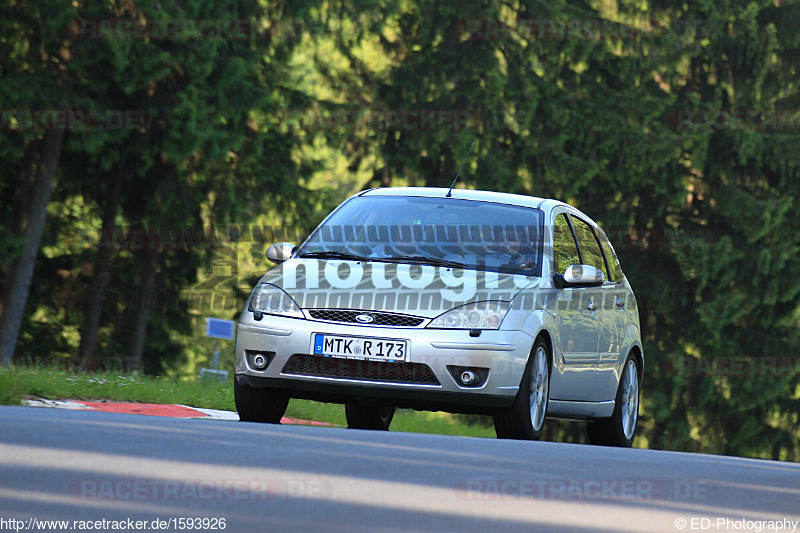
(674, 124)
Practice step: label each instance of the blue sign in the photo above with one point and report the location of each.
(219, 329)
(319, 342)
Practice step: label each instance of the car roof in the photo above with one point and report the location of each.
(466, 194)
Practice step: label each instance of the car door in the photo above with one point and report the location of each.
(618, 304)
(577, 323)
(594, 305)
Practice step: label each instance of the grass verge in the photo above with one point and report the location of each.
(19, 382)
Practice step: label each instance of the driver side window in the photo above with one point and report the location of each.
(565, 250)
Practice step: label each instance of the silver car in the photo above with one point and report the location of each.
(462, 301)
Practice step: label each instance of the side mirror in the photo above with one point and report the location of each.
(280, 251)
(584, 275)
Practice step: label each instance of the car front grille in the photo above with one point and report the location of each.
(332, 367)
(378, 319)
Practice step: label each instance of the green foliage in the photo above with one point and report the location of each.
(41, 381)
(701, 213)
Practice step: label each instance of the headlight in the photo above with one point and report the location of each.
(272, 300)
(478, 315)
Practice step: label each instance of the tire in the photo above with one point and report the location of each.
(525, 419)
(369, 416)
(257, 404)
(620, 429)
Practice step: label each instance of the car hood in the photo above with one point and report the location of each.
(420, 290)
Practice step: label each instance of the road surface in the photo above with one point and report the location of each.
(85, 467)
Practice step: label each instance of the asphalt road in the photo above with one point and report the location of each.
(92, 466)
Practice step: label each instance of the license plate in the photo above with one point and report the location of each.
(389, 350)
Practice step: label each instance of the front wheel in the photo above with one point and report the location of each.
(525, 419)
(368, 416)
(620, 429)
(257, 404)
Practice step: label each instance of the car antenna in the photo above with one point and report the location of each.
(450, 192)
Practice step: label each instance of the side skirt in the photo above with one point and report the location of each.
(571, 410)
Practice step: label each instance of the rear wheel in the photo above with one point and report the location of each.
(620, 429)
(257, 404)
(525, 419)
(368, 416)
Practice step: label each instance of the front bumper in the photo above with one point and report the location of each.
(503, 353)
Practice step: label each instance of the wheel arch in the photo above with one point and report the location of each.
(544, 334)
(638, 358)
(548, 339)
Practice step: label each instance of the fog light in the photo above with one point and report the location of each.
(467, 377)
(259, 360)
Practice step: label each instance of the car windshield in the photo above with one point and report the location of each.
(440, 231)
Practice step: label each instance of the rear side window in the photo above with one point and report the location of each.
(565, 251)
(590, 249)
(614, 270)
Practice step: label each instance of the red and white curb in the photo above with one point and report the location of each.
(152, 409)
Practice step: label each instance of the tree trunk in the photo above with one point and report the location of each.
(100, 274)
(32, 228)
(19, 197)
(141, 314)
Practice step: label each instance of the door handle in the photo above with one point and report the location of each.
(592, 306)
(620, 303)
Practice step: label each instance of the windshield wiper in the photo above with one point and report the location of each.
(335, 255)
(421, 259)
